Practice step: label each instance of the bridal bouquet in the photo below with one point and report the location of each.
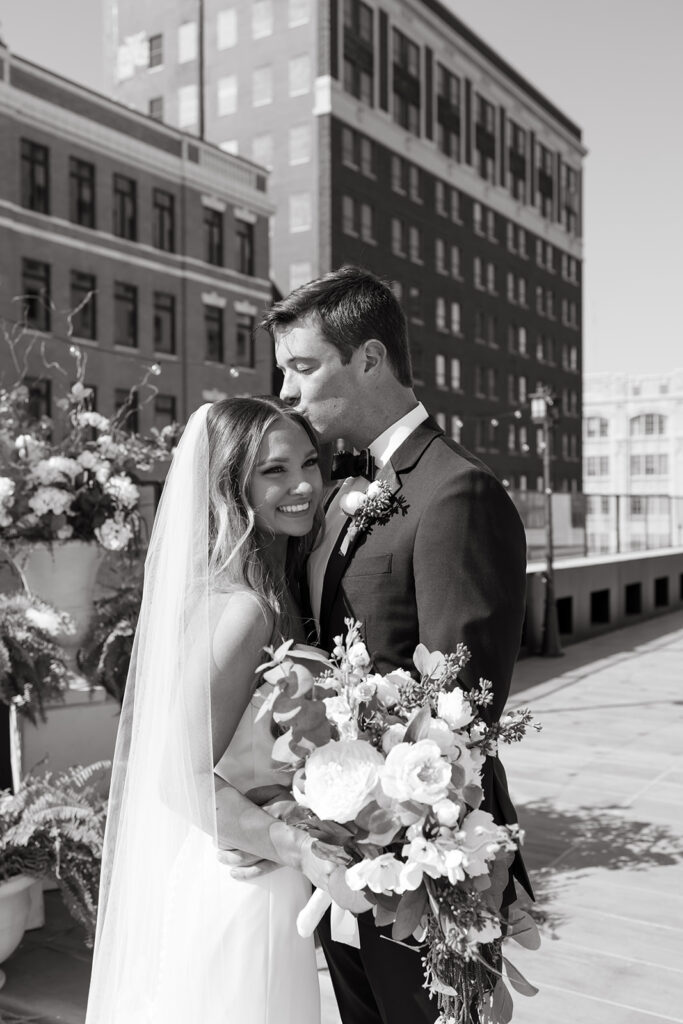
(389, 769)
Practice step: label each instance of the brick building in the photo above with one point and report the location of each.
(400, 141)
(142, 246)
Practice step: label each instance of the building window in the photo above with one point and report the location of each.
(491, 226)
(213, 236)
(477, 272)
(648, 424)
(349, 216)
(81, 192)
(298, 13)
(415, 183)
(517, 161)
(597, 426)
(299, 273)
(187, 42)
(544, 181)
(39, 397)
(448, 112)
(440, 315)
(478, 218)
(440, 256)
(456, 324)
(415, 242)
(244, 237)
(485, 140)
(262, 150)
(213, 326)
(164, 323)
(83, 315)
(35, 177)
(398, 175)
(188, 106)
(521, 390)
(300, 212)
(358, 50)
(262, 86)
(406, 96)
(456, 428)
(155, 108)
(164, 411)
(125, 207)
(227, 95)
(299, 75)
(163, 220)
(299, 144)
(491, 278)
(244, 342)
(398, 237)
(261, 19)
(367, 222)
(35, 286)
(455, 375)
(440, 198)
(226, 29)
(125, 314)
(156, 51)
(455, 262)
(440, 371)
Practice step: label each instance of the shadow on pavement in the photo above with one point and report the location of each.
(532, 671)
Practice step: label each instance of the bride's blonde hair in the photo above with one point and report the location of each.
(236, 428)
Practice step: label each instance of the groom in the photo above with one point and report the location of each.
(451, 570)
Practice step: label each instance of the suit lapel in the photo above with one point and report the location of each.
(401, 461)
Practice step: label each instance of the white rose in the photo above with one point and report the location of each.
(340, 779)
(365, 690)
(416, 771)
(447, 812)
(87, 460)
(114, 536)
(374, 489)
(455, 708)
(358, 655)
(440, 732)
(350, 502)
(380, 874)
(393, 735)
(337, 709)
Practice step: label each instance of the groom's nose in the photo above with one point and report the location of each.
(289, 392)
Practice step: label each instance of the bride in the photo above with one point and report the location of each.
(178, 938)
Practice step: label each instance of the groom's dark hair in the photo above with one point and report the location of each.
(351, 305)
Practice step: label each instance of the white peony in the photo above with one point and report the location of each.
(455, 708)
(374, 489)
(416, 771)
(50, 499)
(379, 874)
(340, 779)
(352, 501)
(114, 536)
(122, 489)
(337, 709)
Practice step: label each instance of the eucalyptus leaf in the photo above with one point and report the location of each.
(419, 727)
(409, 914)
(525, 931)
(501, 1004)
(518, 981)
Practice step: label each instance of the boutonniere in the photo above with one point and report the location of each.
(370, 508)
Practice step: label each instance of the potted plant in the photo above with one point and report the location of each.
(105, 655)
(52, 829)
(69, 492)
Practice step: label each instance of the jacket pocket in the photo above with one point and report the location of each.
(373, 565)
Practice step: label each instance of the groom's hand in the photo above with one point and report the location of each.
(245, 865)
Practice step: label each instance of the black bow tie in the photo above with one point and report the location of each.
(347, 464)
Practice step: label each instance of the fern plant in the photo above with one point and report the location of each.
(105, 655)
(54, 828)
(32, 668)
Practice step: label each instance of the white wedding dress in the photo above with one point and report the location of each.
(256, 968)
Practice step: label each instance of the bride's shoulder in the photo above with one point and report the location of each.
(238, 617)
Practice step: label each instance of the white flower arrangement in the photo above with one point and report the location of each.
(81, 486)
(388, 769)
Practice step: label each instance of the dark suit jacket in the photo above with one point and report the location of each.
(453, 569)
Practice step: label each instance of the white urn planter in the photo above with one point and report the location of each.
(15, 904)
(64, 573)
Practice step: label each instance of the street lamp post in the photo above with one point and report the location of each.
(541, 405)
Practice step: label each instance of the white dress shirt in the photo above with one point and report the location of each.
(382, 448)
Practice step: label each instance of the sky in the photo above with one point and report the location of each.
(614, 67)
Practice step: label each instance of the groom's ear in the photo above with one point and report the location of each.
(374, 355)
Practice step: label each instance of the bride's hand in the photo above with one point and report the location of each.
(315, 859)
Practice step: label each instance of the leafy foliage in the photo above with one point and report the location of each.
(54, 828)
(32, 668)
(105, 655)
